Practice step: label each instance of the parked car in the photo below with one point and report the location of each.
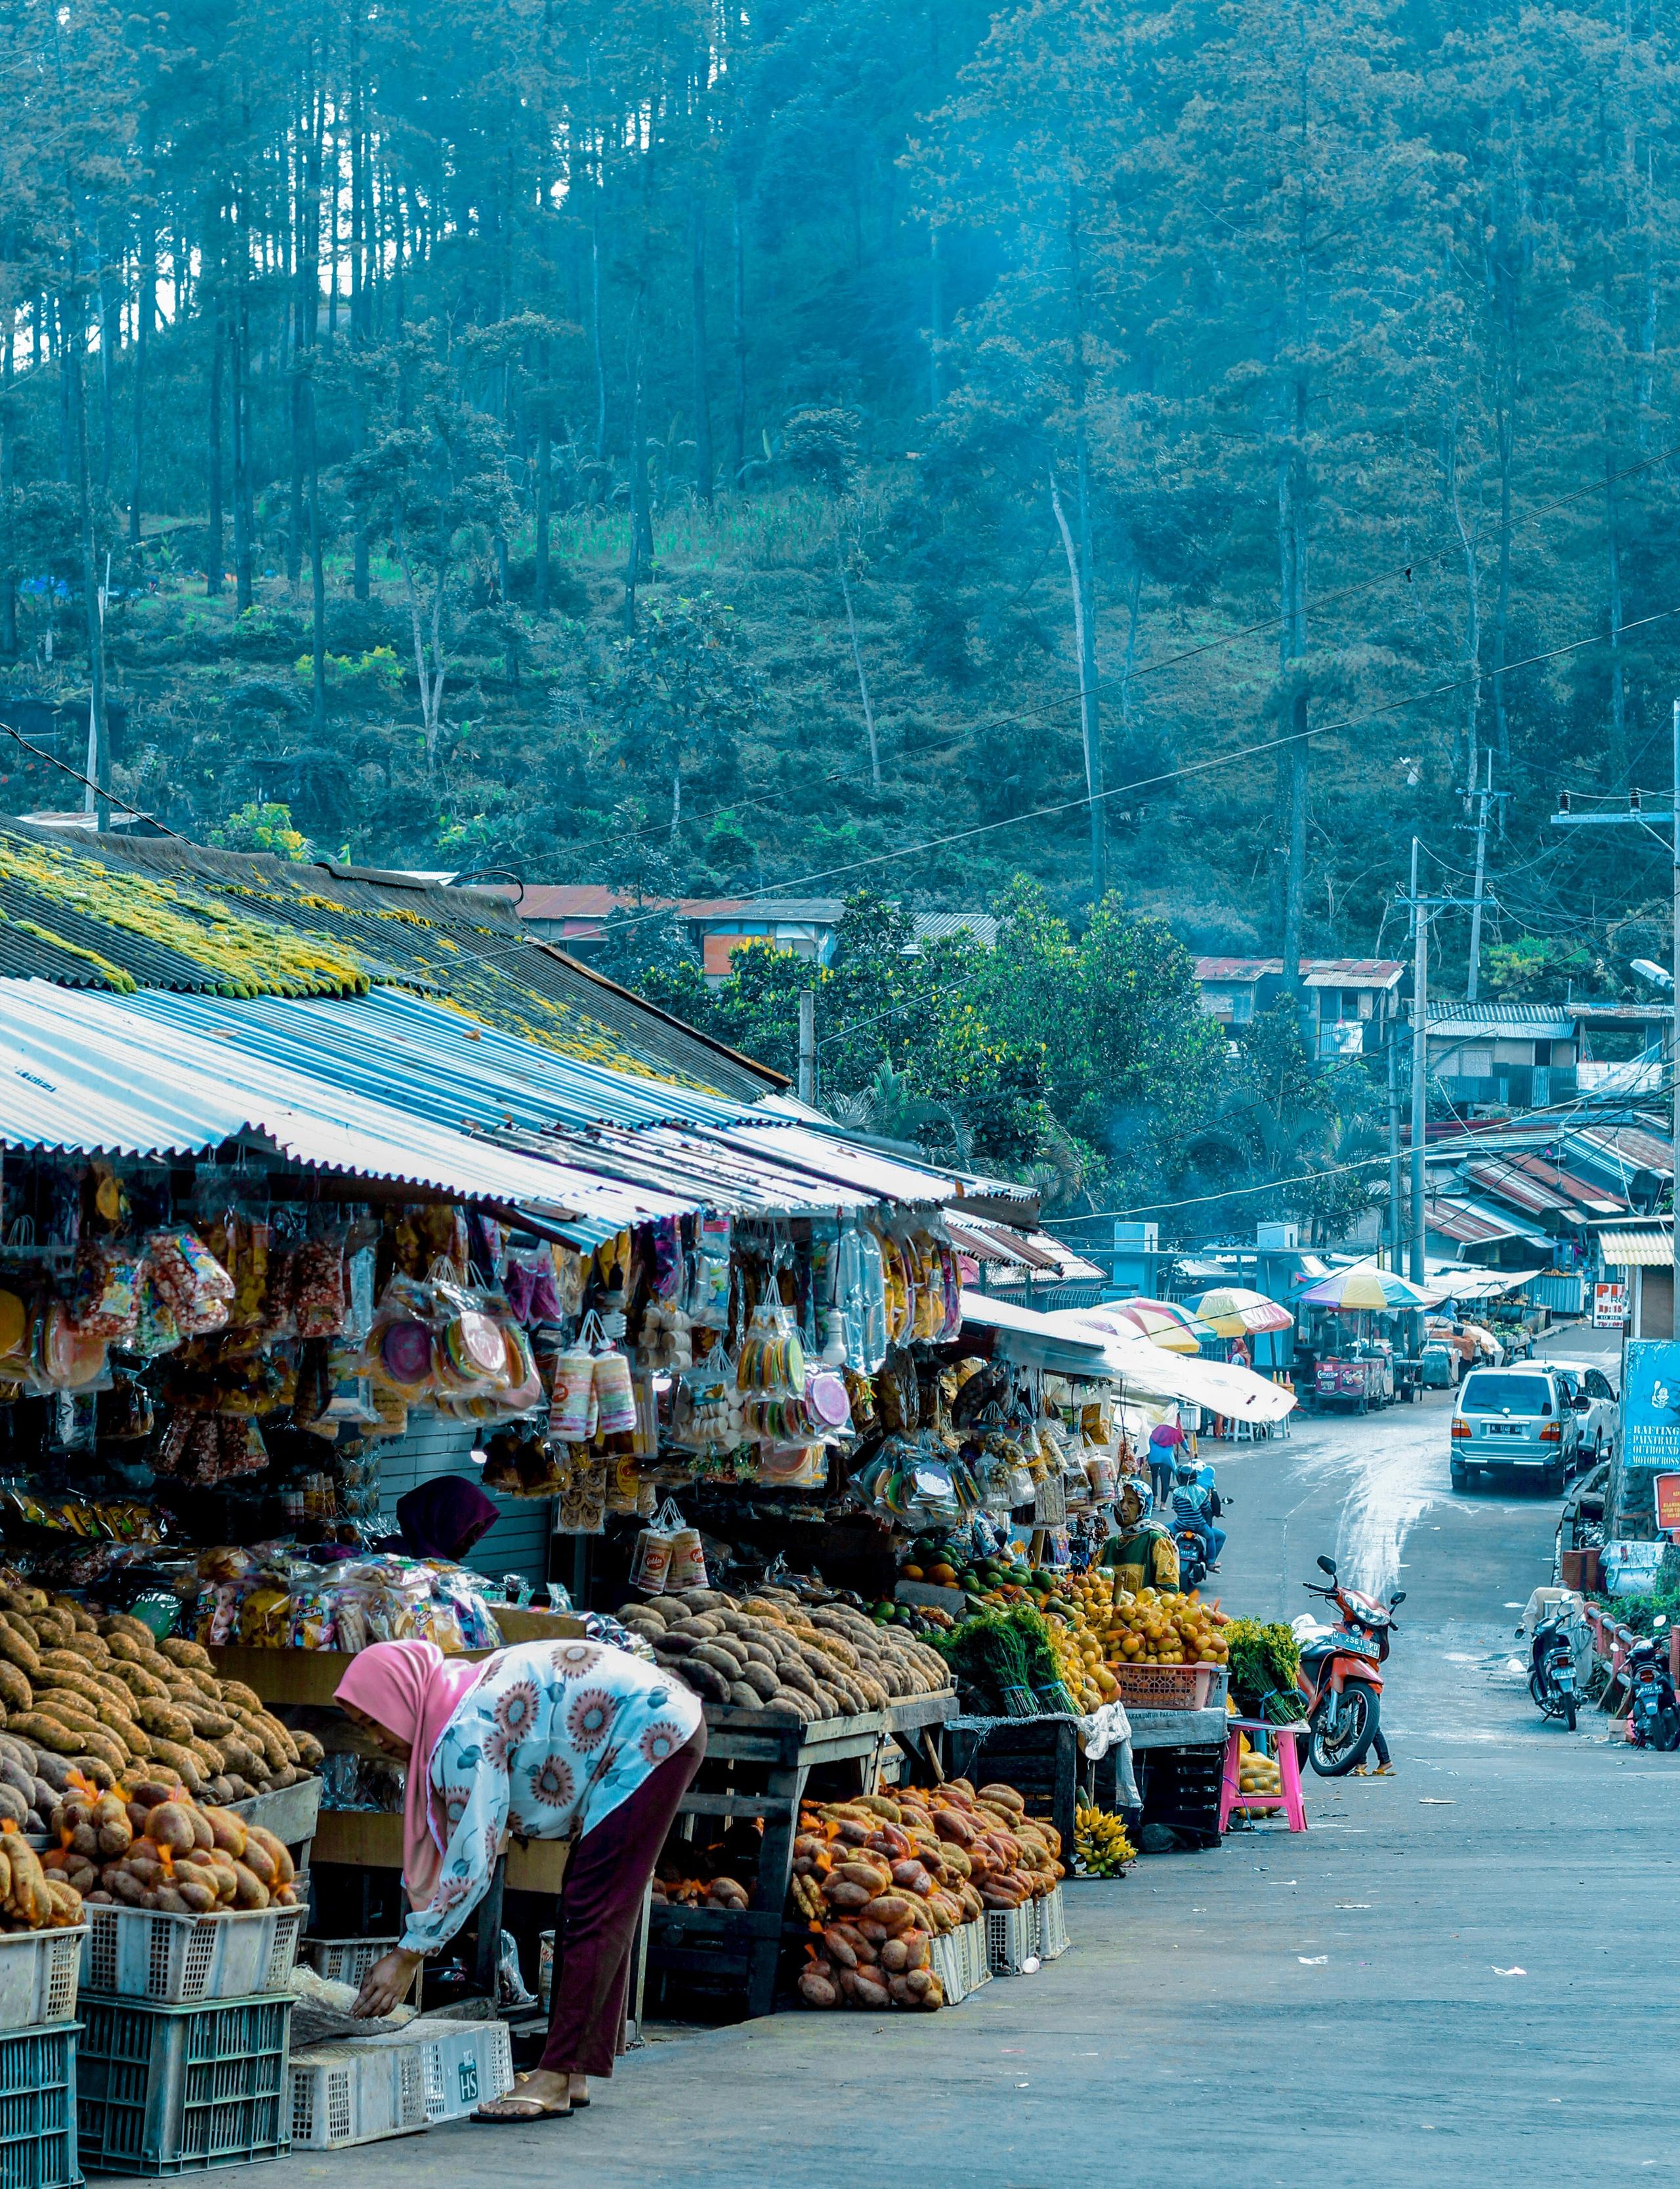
(1516, 1420)
(1598, 1410)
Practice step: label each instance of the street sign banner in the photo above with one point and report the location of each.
(1609, 1307)
(1650, 1404)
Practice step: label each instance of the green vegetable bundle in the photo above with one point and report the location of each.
(1264, 1663)
(989, 1655)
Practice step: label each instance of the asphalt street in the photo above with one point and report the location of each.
(1460, 1975)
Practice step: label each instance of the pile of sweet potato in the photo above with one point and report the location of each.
(156, 1848)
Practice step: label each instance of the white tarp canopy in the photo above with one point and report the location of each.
(1222, 1386)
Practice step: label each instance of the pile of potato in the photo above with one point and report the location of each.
(105, 1699)
(773, 1651)
(879, 1879)
(156, 1848)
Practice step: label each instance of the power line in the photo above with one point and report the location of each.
(1169, 775)
(88, 783)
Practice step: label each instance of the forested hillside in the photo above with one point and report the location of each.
(671, 444)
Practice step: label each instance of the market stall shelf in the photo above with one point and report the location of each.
(743, 1947)
(1039, 1756)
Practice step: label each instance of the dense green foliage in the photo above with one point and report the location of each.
(829, 447)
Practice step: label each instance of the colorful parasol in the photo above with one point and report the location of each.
(1163, 1322)
(1367, 1287)
(1235, 1312)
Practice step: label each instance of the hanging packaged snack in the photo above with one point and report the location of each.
(567, 1266)
(570, 1399)
(318, 1291)
(582, 1507)
(650, 1565)
(708, 1304)
(190, 1281)
(687, 1562)
(105, 1295)
(614, 1393)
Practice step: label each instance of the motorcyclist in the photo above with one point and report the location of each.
(1193, 1507)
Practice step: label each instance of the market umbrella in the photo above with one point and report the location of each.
(1154, 1371)
(1367, 1287)
(1163, 1322)
(1235, 1312)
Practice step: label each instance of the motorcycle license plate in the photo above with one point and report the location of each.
(1360, 1646)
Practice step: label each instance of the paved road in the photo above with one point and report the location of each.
(1461, 1975)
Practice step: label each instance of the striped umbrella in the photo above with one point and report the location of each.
(1163, 1322)
(1236, 1312)
(1365, 1286)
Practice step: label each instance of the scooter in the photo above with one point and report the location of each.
(1653, 1709)
(1552, 1680)
(1192, 1557)
(1339, 1676)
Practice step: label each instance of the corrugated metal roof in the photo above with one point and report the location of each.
(1621, 1150)
(1623, 1249)
(388, 1086)
(1456, 1220)
(114, 914)
(1353, 972)
(1543, 1022)
(1507, 1183)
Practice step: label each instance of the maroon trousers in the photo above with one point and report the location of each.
(606, 1880)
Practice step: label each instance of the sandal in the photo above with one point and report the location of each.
(516, 2096)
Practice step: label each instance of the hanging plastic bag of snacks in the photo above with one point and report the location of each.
(614, 1393)
(573, 1391)
(105, 1302)
(318, 1293)
(650, 1566)
(687, 1567)
(189, 1280)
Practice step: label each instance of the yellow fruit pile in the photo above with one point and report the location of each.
(1100, 1843)
(1153, 1629)
(1257, 1773)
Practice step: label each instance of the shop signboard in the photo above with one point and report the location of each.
(1666, 1489)
(1650, 1404)
(1609, 1307)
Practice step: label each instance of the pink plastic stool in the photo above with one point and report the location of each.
(1288, 1797)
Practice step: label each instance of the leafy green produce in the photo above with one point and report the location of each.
(1264, 1663)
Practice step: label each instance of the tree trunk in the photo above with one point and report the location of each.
(1085, 654)
(857, 663)
(215, 546)
(98, 769)
(702, 458)
(145, 310)
(107, 393)
(1617, 755)
(936, 379)
(641, 523)
(1506, 435)
(8, 463)
(317, 579)
(245, 585)
(1469, 763)
(544, 495)
(675, 802)
(740, 334)
(595, 333)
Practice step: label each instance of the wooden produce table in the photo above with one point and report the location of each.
(744, 1946)
(1038, 1756)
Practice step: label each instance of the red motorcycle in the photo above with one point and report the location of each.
(1339, 1676)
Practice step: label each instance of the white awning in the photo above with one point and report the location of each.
(1223, 1387)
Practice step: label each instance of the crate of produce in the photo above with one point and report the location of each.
(39, 1971)
(1012, 1941)
(37, 2109)
(175, 2090)
(948, 1960)
(344, 1960)
(1164, 1687)
(1052, 1921)
(346, 2094)
(179, 1961)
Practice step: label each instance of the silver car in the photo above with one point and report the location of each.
(1593, 1397)
(1515, 1421)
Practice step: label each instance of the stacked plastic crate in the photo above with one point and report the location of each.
(185, 2026)
(39, 1971)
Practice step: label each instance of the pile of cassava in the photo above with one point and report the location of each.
(101, 1701)
(879, 1879)
(775, 1651)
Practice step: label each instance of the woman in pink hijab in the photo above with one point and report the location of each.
(552, 1740)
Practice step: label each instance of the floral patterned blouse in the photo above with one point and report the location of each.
(549, 1742)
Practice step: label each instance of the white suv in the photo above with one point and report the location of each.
(1516, 1420)
(1597, 1409)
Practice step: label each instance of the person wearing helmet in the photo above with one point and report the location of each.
(1193, 1506)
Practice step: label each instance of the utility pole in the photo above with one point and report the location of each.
(1487, 800)
(1396, 1233)
(807, 1046)
(1420, 1063)
(1638, 814)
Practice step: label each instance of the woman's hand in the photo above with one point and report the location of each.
(386, 1985)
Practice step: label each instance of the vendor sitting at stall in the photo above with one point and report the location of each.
(546, 1739)
(442, 1519)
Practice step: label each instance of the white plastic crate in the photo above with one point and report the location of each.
(1011, 1940)
(180, 1960)
(345, 2094)
(38, 1975)
(1052, 1919)
(971, 1944)
(466, 2063)
(344, 1960)
(949, 1960)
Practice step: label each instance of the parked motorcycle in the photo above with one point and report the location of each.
(1339, 1676)
(1552, 1680)
(1653, 1708)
